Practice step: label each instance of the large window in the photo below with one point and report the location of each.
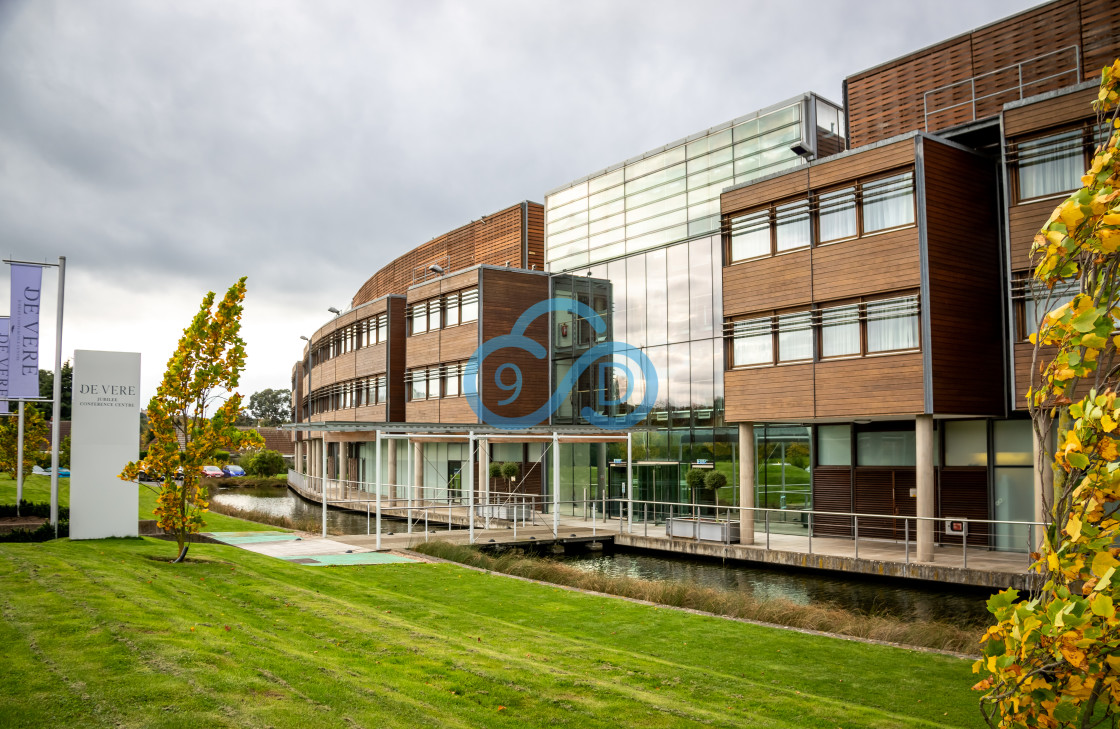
(848, 212)
(429, 383)
(892, 324)
(888, 202)
(853, 329)
(363, 333)
(1032, 300)
(1051, 165)
(449, 310)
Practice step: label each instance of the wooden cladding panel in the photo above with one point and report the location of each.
(458, 281)
(963, 302)
(963, 493)
(832, 491)
(1024, 221)
(884, 491)
(504, 296)
(769, 393)
(371, 360)
(459, 342)
(425, 291)
(422, 349)
(456, 410)
(892, 98)
(370, 414)
(884, 262)
(1023, 353)
(535, 238)
(888, 100)
(765, 192)
(396, 360)
(861, 163)
(883, 385)
(767, 283)
(493, 240)
(423, 411)
(1100, 29)
(1056, 111)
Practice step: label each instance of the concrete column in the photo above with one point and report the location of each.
(923, 437)
(601, 448)
(390, 455)
(343, 467)
(1043, 486)
(418, 471)
(747, 474)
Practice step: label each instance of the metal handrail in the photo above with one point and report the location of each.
(971, 81)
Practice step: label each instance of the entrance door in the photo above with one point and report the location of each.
(455, 481)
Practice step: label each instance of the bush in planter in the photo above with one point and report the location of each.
(694, 477)
(510, 470)
(715, 480)
(495, 469)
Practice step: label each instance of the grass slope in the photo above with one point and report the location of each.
(37, 489)
(106, 634)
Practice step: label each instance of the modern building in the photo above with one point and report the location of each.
(834, 297)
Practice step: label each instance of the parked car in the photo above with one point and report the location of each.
(233, 470)
(212, 472)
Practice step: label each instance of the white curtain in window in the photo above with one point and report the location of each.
(795, 337)
(837, 214)
(1050, 165)
(888, 203)
(792, 226)
(753, 342)
(892, 324)
(750, 236)
(840, 331)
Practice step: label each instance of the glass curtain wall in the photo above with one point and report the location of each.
(670, 194)
(783, 464)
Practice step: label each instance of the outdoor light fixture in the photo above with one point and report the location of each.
(304, 338)
(333, 310)
(436, 269)
(801, 150)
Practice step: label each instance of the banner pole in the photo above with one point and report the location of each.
(19, 459)
(56, 408)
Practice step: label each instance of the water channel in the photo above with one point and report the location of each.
(905, 599)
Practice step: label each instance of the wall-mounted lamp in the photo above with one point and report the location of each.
(436, 269)
(333, 310)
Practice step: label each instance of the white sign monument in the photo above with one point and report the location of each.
(104, 436)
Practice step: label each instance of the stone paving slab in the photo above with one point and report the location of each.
(308, 550)
(350, 559)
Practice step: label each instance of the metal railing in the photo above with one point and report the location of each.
(1017, 87)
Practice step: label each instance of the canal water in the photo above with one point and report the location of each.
(904, 599)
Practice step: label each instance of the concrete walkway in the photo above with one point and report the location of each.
(302, 549)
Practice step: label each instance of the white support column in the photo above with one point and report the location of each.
(484, 476)
(377, 484)
(601, 473)
(629, 484)
(923, 437)
(1043, 486)
(391, 468)
(555, 485)
(747, 474)
(470, 487)
(323, 484)
(343, 471)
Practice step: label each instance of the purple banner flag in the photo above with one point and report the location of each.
(23, 367)
(5, 360)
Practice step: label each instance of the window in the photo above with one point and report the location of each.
(451, 310)
(452, 379)
(892, 324)
(448, 311)
(435, 308)
(419, 317)
(468, 305)
(795, 337)
(888, 202)
(752, 342)
(1051, 164)
(840, 332)
(837, 214)
(791, 226)
(419, 382)
(1032, 300)
(750, 236)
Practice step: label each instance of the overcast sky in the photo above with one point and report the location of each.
(167, 148)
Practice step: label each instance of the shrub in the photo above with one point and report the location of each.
(715, 480)
(221, 457)
(265, 462)
(43, 533)
(26, 508)
(694, 477)
(495, 469)
(510, 470)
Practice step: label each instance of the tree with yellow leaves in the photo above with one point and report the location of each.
(201, 375)
(1054, 660)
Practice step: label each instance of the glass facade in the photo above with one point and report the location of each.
(672, 194)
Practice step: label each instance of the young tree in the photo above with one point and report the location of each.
(271, 407)
(46, 389)
(202, 373)
(36, 434)
(1054, 660)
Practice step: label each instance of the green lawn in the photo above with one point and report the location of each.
(37, 489)
(107, 633)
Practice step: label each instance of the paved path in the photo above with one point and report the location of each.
(307, 550)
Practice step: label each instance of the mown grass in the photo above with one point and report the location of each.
(108, 633)
(37, 489)
(825, 618)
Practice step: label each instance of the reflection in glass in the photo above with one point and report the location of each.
(636, 301)
(834, 445)
(677, 280)
(966, 443)
(656, 298)
(700, 276)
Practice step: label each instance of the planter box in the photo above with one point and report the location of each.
(706, 530)
(508, 512)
